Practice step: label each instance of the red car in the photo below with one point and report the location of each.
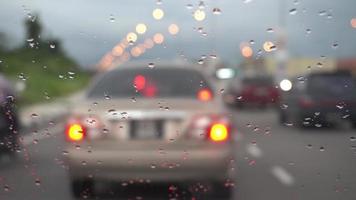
(260, 91)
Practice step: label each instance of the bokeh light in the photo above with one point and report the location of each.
(141, 28)
(267, 46)
(148, 43)
(173, 29)
(131, 37)
(158, 38)
(199, 15)
(246, 51)
(353, 22)
(157, 14)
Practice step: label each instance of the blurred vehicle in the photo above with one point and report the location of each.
(260, 91)
(158, 125)
(319, 99)
(8, 118)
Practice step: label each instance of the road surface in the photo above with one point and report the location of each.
(272, 162)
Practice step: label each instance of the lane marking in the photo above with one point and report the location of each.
(283, 175)
(253, 150)
(42, 134)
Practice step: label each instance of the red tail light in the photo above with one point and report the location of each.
(214, 128)
(205, 95)
(218, 132)
(75, 132)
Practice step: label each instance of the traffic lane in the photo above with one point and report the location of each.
(38, 171)
(321, 161)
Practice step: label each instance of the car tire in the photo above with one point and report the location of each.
(82, 188)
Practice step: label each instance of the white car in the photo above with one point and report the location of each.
(161, 124)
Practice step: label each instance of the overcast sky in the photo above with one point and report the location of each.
(88, 33)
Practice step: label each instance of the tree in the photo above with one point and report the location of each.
(33, 28)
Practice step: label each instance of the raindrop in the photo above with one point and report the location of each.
(213, 56)
(309, 146)
(322, 13)
(201, 5)
(335, 45)
(252, 42)
(112, 18)
(216, 11)
(158, 2)
(107, 97)
(246, 1)
(352, 138)
(52, 46)
(6, 188)
(151, 65)
(322, 148)
(270, 30)
(293, 11)
(200, 61)
(133, 99)
(153, 166)
(319, 64)
(84, 163)
(37, 182)
(189, 6)
(34, 115)
(308, 30)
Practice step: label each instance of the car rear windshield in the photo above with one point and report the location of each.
(331, 86)
(167, 83)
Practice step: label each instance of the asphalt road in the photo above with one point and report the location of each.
(272, 162)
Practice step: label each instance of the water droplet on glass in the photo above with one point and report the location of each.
(37, 182)
(322, 148)
(352, 138)
(34, 115)
(293, 11)
(270, 30)
(309, 146)
(322, 13)
(6, 188)
(200, 61)
(335, 45)
(189, 6)
(216, 11)
(151, 65)
(308, 30)
(112, 18)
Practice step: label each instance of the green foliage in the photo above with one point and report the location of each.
(46, 73)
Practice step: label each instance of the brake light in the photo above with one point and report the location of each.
(218, 132)
(75, 132)
(204, 95)
(139, 82)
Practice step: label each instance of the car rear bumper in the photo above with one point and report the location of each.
(153, 165)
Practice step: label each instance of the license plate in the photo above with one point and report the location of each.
(145, 130)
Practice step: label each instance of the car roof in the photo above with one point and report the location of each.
(158, 64)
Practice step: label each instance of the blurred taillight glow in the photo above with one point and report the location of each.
(218, 132)
(75, 132)
(213, 128)
(205, 95)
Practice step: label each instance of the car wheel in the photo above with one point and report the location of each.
(82, 188)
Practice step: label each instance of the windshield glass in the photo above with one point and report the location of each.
(168, 83)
